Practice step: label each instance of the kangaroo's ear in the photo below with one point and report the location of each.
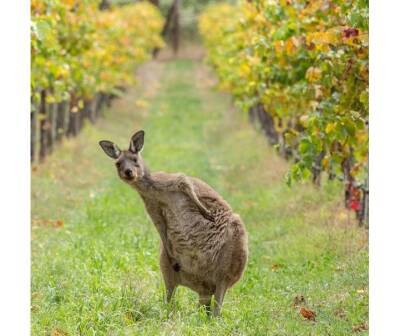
(137, 141)
(110, 148)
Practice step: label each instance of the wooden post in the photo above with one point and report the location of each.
(267, 124)
(364, 215)
(51, 126)
(34, 112)
(168, 21)
(176, 27)
(82, 116)
(91, 104)
(73, 119)
(49, 111)
(96, 105)
(258, 115)
(104, 4)
(66, 116)
(317, 168)
(100, 104)
(43, 126)
(60, 121)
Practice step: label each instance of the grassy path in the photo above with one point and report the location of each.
(95, 252)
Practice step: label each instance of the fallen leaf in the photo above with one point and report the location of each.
(35, 295)
(274, 267)
(58, 332)
(360, 327)
(34, 307)
(350, 32)
(340, 313)
(308, 314)
(59, 223)
(299, 300)
(48, 222)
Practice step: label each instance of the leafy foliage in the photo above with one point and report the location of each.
(306, 62)
(79, 50)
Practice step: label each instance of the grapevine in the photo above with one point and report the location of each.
(304, 64)
(80, 56)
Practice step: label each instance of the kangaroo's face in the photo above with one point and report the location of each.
(129, 163)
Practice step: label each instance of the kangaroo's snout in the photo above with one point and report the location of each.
(128, 173)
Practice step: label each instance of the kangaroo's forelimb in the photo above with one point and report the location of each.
(181, 183)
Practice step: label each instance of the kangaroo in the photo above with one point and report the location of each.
(203, 243)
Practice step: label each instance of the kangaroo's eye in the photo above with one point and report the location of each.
(135, 160)
(118, 164)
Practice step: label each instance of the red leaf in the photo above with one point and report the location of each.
(308, 314)
(350, 32)
(355, 205)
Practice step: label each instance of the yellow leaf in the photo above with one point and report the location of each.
(244, 69)
(329, 128)
(313, 74)
(290, 47)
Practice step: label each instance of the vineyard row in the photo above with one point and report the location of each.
(81, 57)
(300, 69)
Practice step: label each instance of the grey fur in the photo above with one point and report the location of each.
(203, 243)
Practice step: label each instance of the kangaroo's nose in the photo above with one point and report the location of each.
(128, 173)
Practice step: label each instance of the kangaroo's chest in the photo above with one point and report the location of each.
(193, 241)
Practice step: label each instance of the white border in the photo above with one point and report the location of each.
(15, 171)
(384, 167)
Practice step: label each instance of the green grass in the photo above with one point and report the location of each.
(98, 274)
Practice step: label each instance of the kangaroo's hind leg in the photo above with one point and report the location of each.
(169, 272)
(219, 298)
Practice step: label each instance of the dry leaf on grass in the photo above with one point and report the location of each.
(360, 327)
(308, 314)
(59, 223)
(58, 332)
(299, 300)
(48, 222)
(340, 313)
(34, 307)
(274, 267)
